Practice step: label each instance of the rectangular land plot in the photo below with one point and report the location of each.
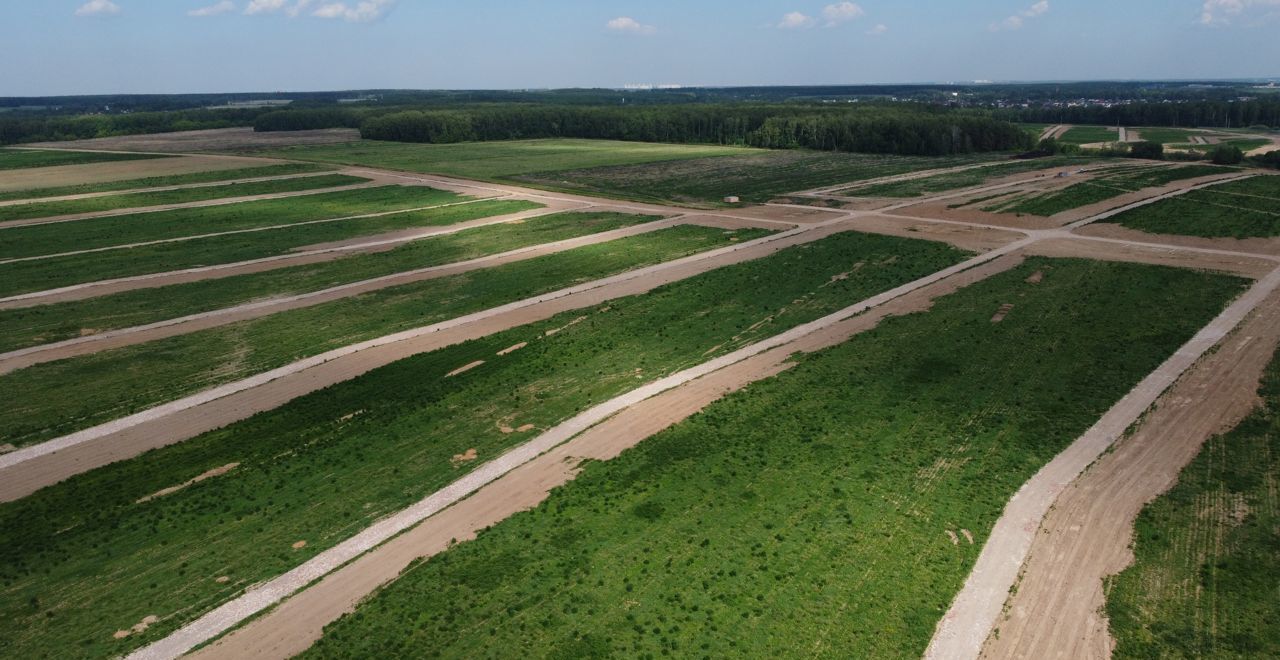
(325, 466)
(196, 178)
(1089, 135)
(1219, 530)
(1104, 187)
(31, 326)
(179, 196)
(1240, 209)
(827, 510)
(498, 160)
(17, 159)
(55, 272)
(965, 179)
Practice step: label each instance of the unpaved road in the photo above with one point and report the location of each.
(976, 609)
(1056, 611)
(273, 591)
(72, 175)
(30, 468)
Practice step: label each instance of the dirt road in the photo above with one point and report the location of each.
(976, 609)
(27, 469)
(1056, 611)
(268, 594)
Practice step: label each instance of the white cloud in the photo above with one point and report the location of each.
(796, 20)
(352, 12)
(1220, 12)
(878, 30)
(98, 8)
(214, 9)
(630, 25)
(1016, 21)
(841, 12)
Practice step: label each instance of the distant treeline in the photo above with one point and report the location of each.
(1189, 114)
(26, 128)
(872, 129)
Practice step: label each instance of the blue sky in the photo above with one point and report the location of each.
(172, 46)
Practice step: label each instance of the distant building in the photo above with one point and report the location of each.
(731, 199)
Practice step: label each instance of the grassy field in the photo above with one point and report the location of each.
(501, 160)
(44, 274)
(31, 326)
(757, 178)
(1165, 135)
(15, 159)
(327, 465)
(162, 181)
(1102, 188)
(180, 196)
(121, 381)
(1240, 209)
(1089, 135)
(807, 515)
(966, 179)
(56, 238)
(1207, 553)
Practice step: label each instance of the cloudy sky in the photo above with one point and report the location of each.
(170, 46)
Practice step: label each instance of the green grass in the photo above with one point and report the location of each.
(758, 177)
(118, 382)
(690, 174)
(325, 466)
(1089, 135)
(162, 181)
(44, 274)
(180, 196)
(965, 179)
(807, 514)
(31, 326)
(1240, 209)
(15, 159)
(500, 160)
(1207, 553)
(1103, 188)
(1166, 135)
(91, 233)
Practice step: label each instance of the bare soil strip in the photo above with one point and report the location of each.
(1057, 608)
(976, 609)
(67, 175)
(20, 359)
(302, 255)
(184, 186)
(30, 468)
(259, 598)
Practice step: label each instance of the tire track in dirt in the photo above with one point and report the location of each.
(976, 609)
(1057, 608)
(772, 354)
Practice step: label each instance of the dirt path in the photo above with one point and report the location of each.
(1056, 611)
(185, 186)
(772, 353)
(27, 469)
(20, 359)
(301, 256)
(976, 609)
(71, 175)
(142, 210)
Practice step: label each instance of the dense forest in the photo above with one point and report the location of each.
(54, 127)
(1187, 114)
(873, 129)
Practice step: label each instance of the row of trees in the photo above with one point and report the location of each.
(49, 128)
(1190, 114)
(898, 130)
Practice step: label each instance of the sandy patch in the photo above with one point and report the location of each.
(137, 628)
(566, 326)
(216, 472)
(968, 536)
(298, 545)
(222, 579)
(512, 349)
(1002, 312)
(955, 540)
(465, 457)
(6, 448)
(1036, 277)
(526, 428)
(464, 369)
